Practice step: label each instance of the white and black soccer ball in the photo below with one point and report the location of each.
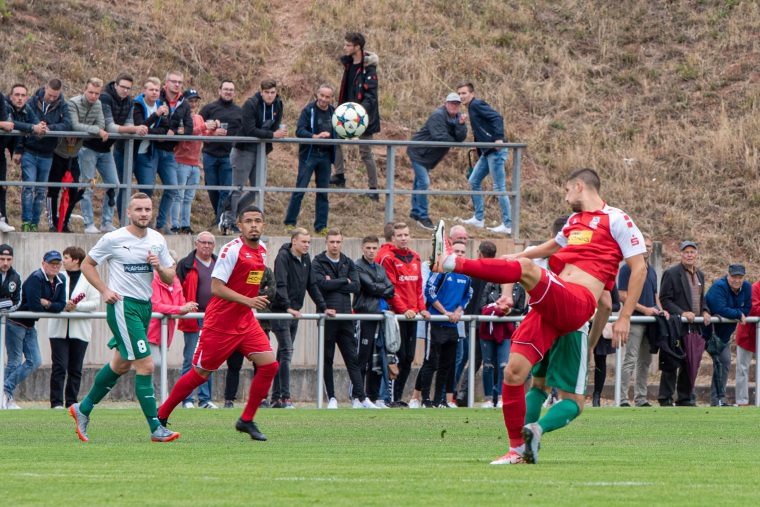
(350, 120)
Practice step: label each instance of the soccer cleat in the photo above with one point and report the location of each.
(502, 229)
(250, 428)
(414, 403)
(287, 404)
(207, 404)
(332, 404)
(81, 421)
(474, 222)
(532, 435)
(188, 404)
(511, 458)
(91, 229)
(163, 435)
(441, 250)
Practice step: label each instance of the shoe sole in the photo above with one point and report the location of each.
(73, 414)
(530, 456)
(439, 248)
(175, 436)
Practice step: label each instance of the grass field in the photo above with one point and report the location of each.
(391, 457)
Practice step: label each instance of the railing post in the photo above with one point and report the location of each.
(320, 360)
(390, 179)
(757, 365)
(128, 171)
(471, 369)
(618, 368)
(164, 346)
(516, 166)
(3, 320)
(261, 174)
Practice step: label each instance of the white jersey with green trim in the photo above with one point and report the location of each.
(129, 272)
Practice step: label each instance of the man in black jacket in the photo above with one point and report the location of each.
(294, 277)
(682, 292)
(375, 288)
(337, 278)
(359, 84)
(43, 291)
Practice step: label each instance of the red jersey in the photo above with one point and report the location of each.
(405, 273)
(596, 242)
(241, 268)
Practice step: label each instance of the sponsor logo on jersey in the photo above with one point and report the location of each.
(12, 286)
(634, 240)
(408, 278)
(155, 249)
(580, 237)
(594, 222)
(254, 277)
(139, 268)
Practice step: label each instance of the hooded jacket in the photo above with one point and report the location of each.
(37, 287)
(439, 127)
(57, 118)
(343, 281)
(23, 120)
(404, 270)
(155, 123)
(294, 278)
(365, 84)
(260, 120)
(117, 112)
(487, 124)
(374, 286)
(306, 128)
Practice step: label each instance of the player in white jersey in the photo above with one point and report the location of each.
(132, 253)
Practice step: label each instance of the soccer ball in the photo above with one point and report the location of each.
(350, 120)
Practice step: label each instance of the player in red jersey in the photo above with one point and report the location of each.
(584, 260)
(229, 322)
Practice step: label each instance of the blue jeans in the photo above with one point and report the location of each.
(494, 354)
(167, 171)
(217, 171)
(318, 163)
(144, 170)
(421, 182)
(492, 164)
(18, 341)
(34, 168)
(89, 161)
(203, 390)
(186, 175)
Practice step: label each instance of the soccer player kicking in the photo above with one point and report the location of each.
(584, 260)
(230, 325)
(132, 253)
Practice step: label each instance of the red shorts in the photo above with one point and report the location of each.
(215, 347)
(557, 308)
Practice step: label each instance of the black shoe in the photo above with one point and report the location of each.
(65, 228)
(625, 404)
(666, 403)
(338, 180)
(413, 216)
(426, 223)
(427, 404)
(645, 404)
(277, 404)
(263, 404)
(596, 400)
(186, 230)
(461, 402)
(250, 428)
(374, 197)
(442, 404)
(111, 193)
(229, 404)
(683, 403)
(399, 404)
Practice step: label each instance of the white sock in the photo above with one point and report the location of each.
(449, 263)
(519, 450)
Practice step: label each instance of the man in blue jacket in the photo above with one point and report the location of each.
(487, 127)
(43, 291)
(729, 297)
(315, 122)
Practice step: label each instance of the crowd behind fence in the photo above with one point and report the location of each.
(260, 186)
(473, 321)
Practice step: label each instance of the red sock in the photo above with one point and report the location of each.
(262, 381)
(182, 389)
(513, 407)
(490, 270)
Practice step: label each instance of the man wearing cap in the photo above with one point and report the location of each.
(43, 291)
(730, 297)
(682, 292)
(446, 124)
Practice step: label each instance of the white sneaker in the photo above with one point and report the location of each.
(188, 404)
(367, 403)
(208, 404)
(414, 403)
(488, 404)
(9, 404)
(503, 229)
(475, 222)
(91, 229)
(107, 228)
(333, 403)
(499, 404)
(381, 404)
(4, 227)
(451, 404)
(356, 403)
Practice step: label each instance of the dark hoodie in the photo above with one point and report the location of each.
(365, 86)
(294, 278)
(56, 115)
(260, 120)
(116, 111)
(336, 281)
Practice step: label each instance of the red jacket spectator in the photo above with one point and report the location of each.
(405, 273)
(168, 300)
(189, 152)
(495, 331)
(745, 333)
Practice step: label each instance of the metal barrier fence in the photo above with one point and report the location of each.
(472, 319)
(261, 188)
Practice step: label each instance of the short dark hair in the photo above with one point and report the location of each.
(55, 84)
(19, 85)
(76, 253)
(356, 39)
(249, 209)
(487, 249)
(559, 223)
(268, 84)
(388, 231)
(587, 176)
(124, 77)
(369, 239)
(466, 84)
(334, 232)
(458, 242)
(226, 81)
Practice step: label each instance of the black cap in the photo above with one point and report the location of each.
(737, 269)
(6, 250)
(52, 255)
(192, 93)
(688, 243)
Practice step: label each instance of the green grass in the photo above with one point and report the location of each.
(392, 457)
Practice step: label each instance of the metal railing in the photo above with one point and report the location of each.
(260, 186)
(473, 320)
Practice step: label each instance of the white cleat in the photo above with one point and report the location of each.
(442, 260)
(511, 458)
(532, 435)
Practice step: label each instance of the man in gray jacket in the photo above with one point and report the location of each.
(446, 124)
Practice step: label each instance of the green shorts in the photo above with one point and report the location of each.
(565, 366)
(129, 320)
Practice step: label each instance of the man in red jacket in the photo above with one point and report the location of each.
(746, 346)
(404, 271)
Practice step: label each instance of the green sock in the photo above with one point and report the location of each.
(534, 400)
(147, 398)
(559, 415)
(104, 381)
